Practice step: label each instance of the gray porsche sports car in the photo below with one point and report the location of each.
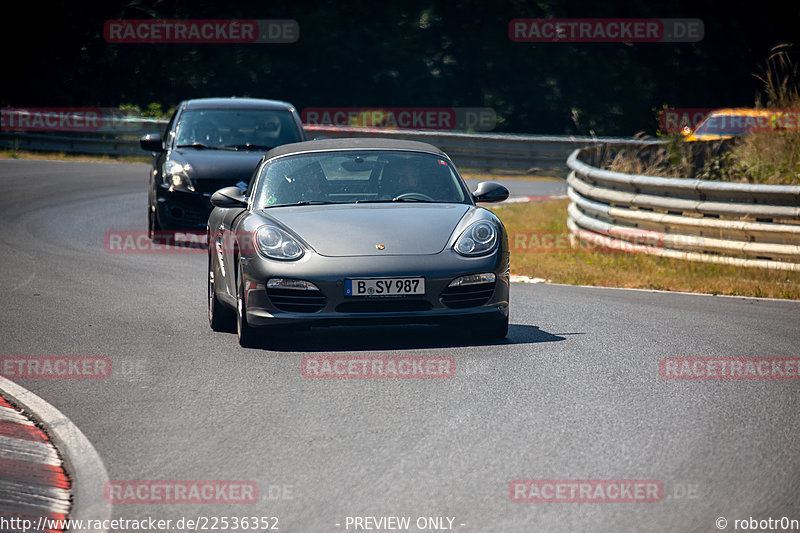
(352, 231)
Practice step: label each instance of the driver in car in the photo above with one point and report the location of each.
(403, 179)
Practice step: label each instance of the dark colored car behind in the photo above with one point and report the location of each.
(211, 143)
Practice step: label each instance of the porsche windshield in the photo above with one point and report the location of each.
(359, 177)
(236, 129)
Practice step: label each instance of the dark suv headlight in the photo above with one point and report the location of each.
(176, 176)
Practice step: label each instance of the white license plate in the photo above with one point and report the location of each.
(384, 287)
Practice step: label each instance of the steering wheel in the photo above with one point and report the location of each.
(414, 195)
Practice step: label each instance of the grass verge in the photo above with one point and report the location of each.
(629, 270)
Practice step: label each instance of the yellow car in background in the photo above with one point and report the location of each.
(734, 122)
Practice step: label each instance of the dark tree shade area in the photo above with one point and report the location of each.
(401, 54)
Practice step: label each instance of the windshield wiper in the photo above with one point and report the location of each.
(388, 201)
(410, 199)
(304, 202)
(202, 145)
(249, 146)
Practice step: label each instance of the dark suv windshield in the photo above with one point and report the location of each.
(359, 177)
(236, 129)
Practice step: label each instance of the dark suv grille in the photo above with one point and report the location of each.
(184, 215)
(467, 296)
(297, 301)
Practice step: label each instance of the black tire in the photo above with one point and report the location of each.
(247, 335)
(152, 223)
(494, 328)
(156, 232)
(220, 316)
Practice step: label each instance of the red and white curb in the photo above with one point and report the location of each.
(48, 468)
(34, 486)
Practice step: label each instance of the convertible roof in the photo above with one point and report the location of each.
(363, 143)
(237, 103)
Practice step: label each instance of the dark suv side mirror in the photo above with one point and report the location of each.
(152, 142)
(489, 191)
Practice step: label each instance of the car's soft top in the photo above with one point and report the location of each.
(366, 143)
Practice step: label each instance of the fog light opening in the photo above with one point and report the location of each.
(293, 284)
(473, 279)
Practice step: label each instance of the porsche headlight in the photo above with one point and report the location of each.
(480, 238)
(176, 176)
(275, 243)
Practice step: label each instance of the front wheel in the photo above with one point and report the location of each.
(220, 316)
(247, 335)
(156, 232)
(152, 223)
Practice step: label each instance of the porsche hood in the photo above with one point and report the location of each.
(361, 230)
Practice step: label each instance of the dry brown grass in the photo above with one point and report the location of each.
(772, 157)
(764, 157)
(632, 270)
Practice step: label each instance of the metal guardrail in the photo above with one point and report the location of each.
(108, 136)
(486, 150)
(698, 220)
(472, 150)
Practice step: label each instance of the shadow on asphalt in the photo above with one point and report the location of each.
(355, 338)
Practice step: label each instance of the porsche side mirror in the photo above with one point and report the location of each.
(229, 197)
(489, 191)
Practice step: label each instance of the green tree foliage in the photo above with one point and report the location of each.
(405, 53)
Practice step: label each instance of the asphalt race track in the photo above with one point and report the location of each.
(575, 392)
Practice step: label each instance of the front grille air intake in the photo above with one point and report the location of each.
(296, 301)
(468, 295)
